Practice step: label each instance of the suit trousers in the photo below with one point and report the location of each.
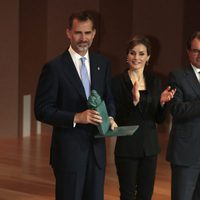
(87, 183)
(185, 182)
(136, 177)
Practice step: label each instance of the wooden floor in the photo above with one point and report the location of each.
(26, 175)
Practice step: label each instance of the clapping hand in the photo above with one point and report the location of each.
(136, 93)
(167, 95)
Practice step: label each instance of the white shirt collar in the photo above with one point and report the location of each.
(196, 71)
(76, 59)
(195, 68)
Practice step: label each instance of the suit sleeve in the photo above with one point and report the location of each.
(108, 96)
(116, 90)
(161, 110)
(183, 106)
(46, 106)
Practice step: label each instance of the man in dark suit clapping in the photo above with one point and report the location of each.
(184, 142)
(77, 158)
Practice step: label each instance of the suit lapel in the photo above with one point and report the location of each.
(95, 70)
(149, 88)
(72, 75)
(193, 81)
(128, 85)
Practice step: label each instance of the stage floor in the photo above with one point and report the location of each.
(25, 173)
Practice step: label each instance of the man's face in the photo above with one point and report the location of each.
(81, 36)
(194, 53)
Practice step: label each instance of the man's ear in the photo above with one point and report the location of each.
(94, 33)
(68, 33)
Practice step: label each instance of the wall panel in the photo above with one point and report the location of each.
(9, 52)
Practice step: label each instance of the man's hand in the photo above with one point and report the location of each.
(88, 117)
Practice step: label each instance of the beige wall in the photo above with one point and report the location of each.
(32, 33)
(163, 21)
(9, 55)
(32, 51)
(115, 29)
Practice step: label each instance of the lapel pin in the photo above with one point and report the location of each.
(98, 68)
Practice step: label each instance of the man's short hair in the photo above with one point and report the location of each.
(81, 16)
(191, 38)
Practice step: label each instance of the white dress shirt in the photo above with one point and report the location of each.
(77, 62)
(196, 71)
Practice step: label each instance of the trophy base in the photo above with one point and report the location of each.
(119, 131)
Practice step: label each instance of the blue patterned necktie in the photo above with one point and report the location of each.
(84, 77)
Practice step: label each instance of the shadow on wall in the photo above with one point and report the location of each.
(96, 43)
(155, 52)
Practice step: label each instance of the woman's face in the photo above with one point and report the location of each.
(137, 57)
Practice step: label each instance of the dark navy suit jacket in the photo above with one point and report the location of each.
(184, 141)
(60, 94)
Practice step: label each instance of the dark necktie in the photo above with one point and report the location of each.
(84, 77)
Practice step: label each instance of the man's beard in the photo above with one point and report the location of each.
(83, 46)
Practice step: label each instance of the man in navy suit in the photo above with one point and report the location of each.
(184, 142)
(77, 158)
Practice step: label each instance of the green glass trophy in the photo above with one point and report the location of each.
(95, 102)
